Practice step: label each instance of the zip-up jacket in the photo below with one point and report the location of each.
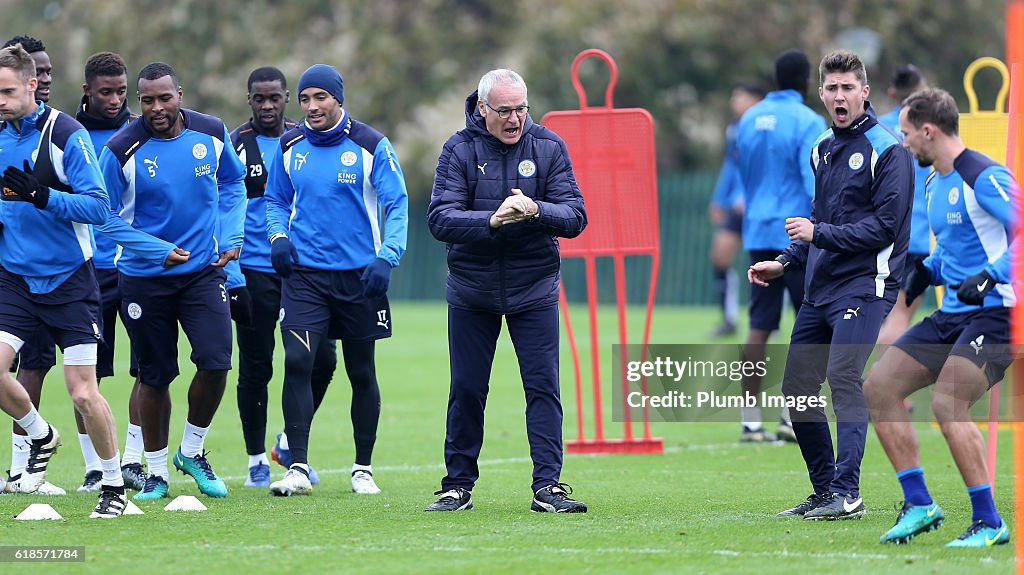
(328, 199)
(863, 190)
(185, 191)
(46, 246)
(773, 144)
(973, 211)
(515, 267)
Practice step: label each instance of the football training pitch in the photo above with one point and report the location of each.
(705, 506)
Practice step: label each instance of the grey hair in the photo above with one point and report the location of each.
(502, 76)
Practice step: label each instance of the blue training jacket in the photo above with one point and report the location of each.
(864, 185)
(729, 187)
(973, 212)
(184, 192)
(920, 233)
(255, 247)
(46, 246)
(774, 142)
(328, 199)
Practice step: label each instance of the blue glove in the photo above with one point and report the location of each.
(376, 278)
(283, 255)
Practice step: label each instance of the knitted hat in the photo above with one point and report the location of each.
(325, 77)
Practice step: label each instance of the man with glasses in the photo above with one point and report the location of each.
(504, 191)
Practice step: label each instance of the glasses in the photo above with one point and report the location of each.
(504, 113)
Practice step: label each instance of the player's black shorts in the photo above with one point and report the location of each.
(332, 303)
(766, 302)
(39, 351)
(110, 300)
(982, 336)
(733, 221)
(152, 307)
(69, 315)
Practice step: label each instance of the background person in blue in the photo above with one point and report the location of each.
(504, 192)
(774, 143)
(726, 212)
(52, 190)
(256, 304)
(331, 179)
(103, 111)
(906, 80)
(173, 248)
(963, 348)
(853, 250)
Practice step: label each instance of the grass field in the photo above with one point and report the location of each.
(704, 506)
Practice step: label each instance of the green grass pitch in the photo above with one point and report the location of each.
(704, 506)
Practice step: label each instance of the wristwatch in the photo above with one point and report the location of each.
(784, 260)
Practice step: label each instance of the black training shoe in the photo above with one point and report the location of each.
(111, 504)
(812, 502)
(455, 499)
(39, 453)
(555, 499)
(92, 482)
(134, 476)
(838, 506)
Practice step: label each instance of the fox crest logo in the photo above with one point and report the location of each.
(856, 161)
(199, 151)
(134, 310)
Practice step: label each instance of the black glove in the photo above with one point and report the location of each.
(376, 278)
(241, 305)
(917, 280)
(283, 255)
(21, 185)
(973, 289)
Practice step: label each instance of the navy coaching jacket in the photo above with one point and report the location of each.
(864, 189)
(516, 267)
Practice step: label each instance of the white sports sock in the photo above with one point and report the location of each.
(132, 445)
(283, 441)
(192, 439)
(255, 460)
(112, 471)
(19, 453)
(92, 459)
(751, 417)
(157, 462)
(366, 468)
(34, 424)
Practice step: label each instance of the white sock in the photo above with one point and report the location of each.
(751, 417)
(192, 439)
(283, 441)
(366, 468)
(92, 459)
(34, 424)
(132, 445)
(157, 462)
(255, 460)
(112, 471)
(19, 454)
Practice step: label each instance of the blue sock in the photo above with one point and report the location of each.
(984, 508)
(915, 492)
